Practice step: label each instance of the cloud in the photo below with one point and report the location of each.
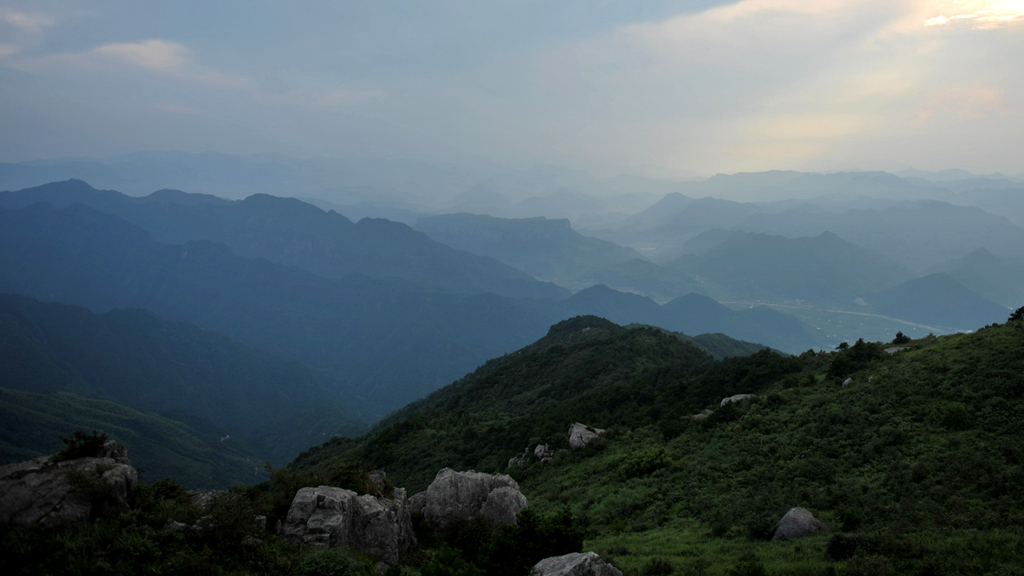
(160, 57)
(752, 85)
(27, 21)
(980, 14)
(974, 101)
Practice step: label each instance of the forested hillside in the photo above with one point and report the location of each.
(912, 457)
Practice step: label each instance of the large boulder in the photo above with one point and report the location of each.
(580, 435)
(736, 398)
(326, 516)
(575, 564)
(42, 491)
(797, 523)
(466, 495)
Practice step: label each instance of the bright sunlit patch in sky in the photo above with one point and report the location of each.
(980, 13)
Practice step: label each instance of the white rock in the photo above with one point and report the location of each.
(736, 398)
(580, 435)
(575, 564)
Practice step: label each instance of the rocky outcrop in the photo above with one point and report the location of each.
(454, 495)
(797, 523)
(575, 564)
(544, 452)
(326, 516)
(42, 491)
(580, 435)
(736, 398)
(203, 499)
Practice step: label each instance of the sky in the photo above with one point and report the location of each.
(702, 87)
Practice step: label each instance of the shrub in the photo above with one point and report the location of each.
(81, 445)
(643, 461)
(328, 562)
(901, 338)
(1017, 316)
(515, 549)
(448, 561)
(658, 567)
(748, 565)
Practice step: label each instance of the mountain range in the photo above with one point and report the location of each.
(543, 248)
(294, 233)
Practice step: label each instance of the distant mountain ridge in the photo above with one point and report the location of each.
(292, 232)
(393, 341)
(1000, 280)
(937, 300)
(541, 247)
(823, 268)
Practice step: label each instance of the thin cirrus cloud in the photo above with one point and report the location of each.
(27, 21)
(979, 14)
(764, 84)
(162, 57)
(743, 85)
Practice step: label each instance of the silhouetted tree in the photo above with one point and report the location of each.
(1017, 316)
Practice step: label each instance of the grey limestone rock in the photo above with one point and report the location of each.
(847, 382)
(736, 398)
(203, 499)
(797, 523)
(453, 495)
(417, 502)
(544, 451)
(41, 491)
(575, 564)
(326, 516)
(580, 435)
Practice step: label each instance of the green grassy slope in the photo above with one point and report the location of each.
(277, 405)
(920, 455)
(198, 455)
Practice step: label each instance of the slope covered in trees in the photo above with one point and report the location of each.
(193, 451)
(912, 458)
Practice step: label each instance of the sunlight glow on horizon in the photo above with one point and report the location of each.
(982, 13)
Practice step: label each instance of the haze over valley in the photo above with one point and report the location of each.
(729, 287)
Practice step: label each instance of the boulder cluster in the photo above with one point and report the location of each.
(467, 495)
(325, 516)
(43, 491)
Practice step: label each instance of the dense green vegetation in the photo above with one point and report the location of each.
(916, 464)
(913, 458)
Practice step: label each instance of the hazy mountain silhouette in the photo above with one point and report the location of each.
(1001, 280)
(544, 248)
(937, 300)
(824, 268)
(295, 233)
(918, 235)
(393, 341)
